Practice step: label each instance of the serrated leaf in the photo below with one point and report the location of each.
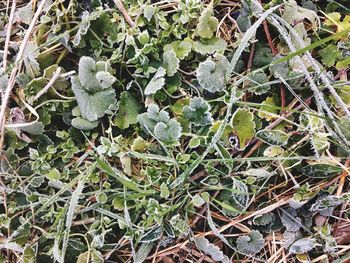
(207, 23)
(244, 126)
(212, 74)
(156, 83)
(251, 243)
(149, 119)
(329, 55)
(197, 112)
(263, 220)
(170, 62)
(321, 170)
(152, 235)
(128, 110)
(258, 81)
(273, 137)
(92, 105)
(168, 133)
(25, 13)
(209, 46)
(290, 220)
(210, 249)
(302, 245)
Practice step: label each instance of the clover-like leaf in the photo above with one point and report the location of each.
(212, 74)
(198, 112)
(170, 62)
(207, 23)
(128, 110)
(251, 243)
(168, 133)
(273, 137)
(244, 126)
(92, 105)
(181, 48)
(209, 46)
(302, 245)
(156, 83)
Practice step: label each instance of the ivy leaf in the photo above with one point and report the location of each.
(92, 105)
(273, 137)
(330, 55)
(83, 124)
(212, 74)
(251, 243)
(128, 110)
(156, 83)
(302, 245)
(244, 126)
(181, 48)
(198, 112)
(209, 46)
(207, 23)
(168, 133)
(170, 62)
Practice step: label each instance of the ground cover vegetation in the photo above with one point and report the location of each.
(174, 131)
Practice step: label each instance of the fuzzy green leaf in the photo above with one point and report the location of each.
(128, 110)
(149, 119)
(209, 46)
(84, 124)
(330, 55)
(170, 62)
(168, 133)
(182, 48)
(207, 24)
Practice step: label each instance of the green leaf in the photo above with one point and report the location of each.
(101, 198)
(53, 174)
(105, 79)
(212, 74)
(170, 62)
(29, 255)
(148, 12)
(164, 191)
(168, 133)
(149, 119)
(31, 53)
(207, 23)
(209, 46)
(181, 48)
(128, 110)
(262, 56)
(251, 243)
(330, 55)
(321, 170)
(264, 219)
(92, 105)
(156, 83)
(83, 124)
(244, 126)
(198, 112)
(294, 14)
(273, 137)
(258, 81)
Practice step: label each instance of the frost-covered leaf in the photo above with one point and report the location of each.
(267, 107)
(302, 245)
(244, 126)
(251, 243)
(321, 170)
(290, 220)
(128, 110)
(170, 62)
(92, 105)
(210, 249)
(84, 26)
(198, 112)
(29, 255)
(290, 237)
(325, 204)
(262, 56)
(273, 137)
(207, 23)
(3, 80)
(264, 219)
(152, 235)
(181, 48)
(105, 79)
(168, 133)
(212, 74)
(209, 46)
(281, 69)
(149, 119)
(30, 55)
(156, 83)
(143, 252)
(258, 173)
(83, 124)
(25, 13)
(294, 14)
(258, 81)
(87, 74)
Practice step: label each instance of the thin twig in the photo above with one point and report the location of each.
(122, 10)
(48, 85)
